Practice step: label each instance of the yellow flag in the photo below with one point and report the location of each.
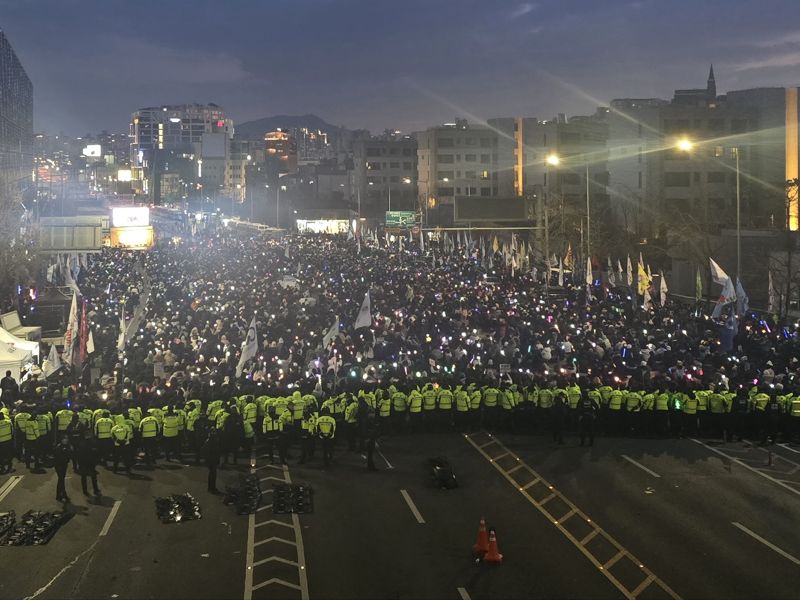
(495, 245)
(568, 257)
(643, 279)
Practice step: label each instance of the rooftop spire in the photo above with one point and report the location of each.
(711, 87)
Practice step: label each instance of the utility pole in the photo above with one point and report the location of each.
(738, 221)
(790, 238)
(546, 250)
(588, 216)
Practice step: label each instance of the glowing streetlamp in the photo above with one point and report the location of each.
(685, 145)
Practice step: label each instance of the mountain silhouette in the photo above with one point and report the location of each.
(255, 130)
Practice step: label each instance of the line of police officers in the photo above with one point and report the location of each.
(30, 433)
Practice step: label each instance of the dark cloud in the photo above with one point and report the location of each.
(377, 64)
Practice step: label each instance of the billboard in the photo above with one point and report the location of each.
(130, 216)
(322, 225)
(214, 145)
(400, 219)
(135, 238)
(124, 175)
(477, 208)
(93, 151)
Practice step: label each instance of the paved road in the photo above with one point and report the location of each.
(703, 519)
(364, 527)
(676, 504)
(138, 557)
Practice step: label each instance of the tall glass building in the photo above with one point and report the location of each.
(16, 132)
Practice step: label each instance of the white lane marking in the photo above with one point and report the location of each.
(748, 467)
(388, 464)
(641, 466)
(46, 586)
(9, 485)
(301, 553)
(413, 507)
(251, 531)
(271, 478)
(279, 582)
(789, 448)
(110, 519)
(774, 455)
(463, 593)
(268, 466)
(767, 543)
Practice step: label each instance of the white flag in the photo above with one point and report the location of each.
(727, 296)
(69, 281)
(364, 318)
(612, 280)
(619, 271)
(717, 274)
(560, 272)
(421, 241)
(589, 278)
(121, 336)
(286, 252)
(649, 272)
(648, 301)
(53, 362)
(328, 338)
(90, 343)
(629, 272)
(773, 306)
(663, 289)
(72, 330)
(742, 301)
(249, 347)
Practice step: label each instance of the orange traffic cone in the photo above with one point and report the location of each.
(482, 545)
(492, 554)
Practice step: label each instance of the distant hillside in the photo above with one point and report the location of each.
(256, 129)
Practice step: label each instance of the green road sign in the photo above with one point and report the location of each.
(400, 219)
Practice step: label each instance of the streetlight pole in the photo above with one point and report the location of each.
(278, 206)
(588, 216)
(390, 193)
(546, 249)
(738, 221)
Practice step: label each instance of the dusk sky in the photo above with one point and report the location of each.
(407, 64)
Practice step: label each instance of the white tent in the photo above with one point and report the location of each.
(14, 359)
(10, 338)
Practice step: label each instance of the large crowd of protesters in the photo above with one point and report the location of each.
(452, 344)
